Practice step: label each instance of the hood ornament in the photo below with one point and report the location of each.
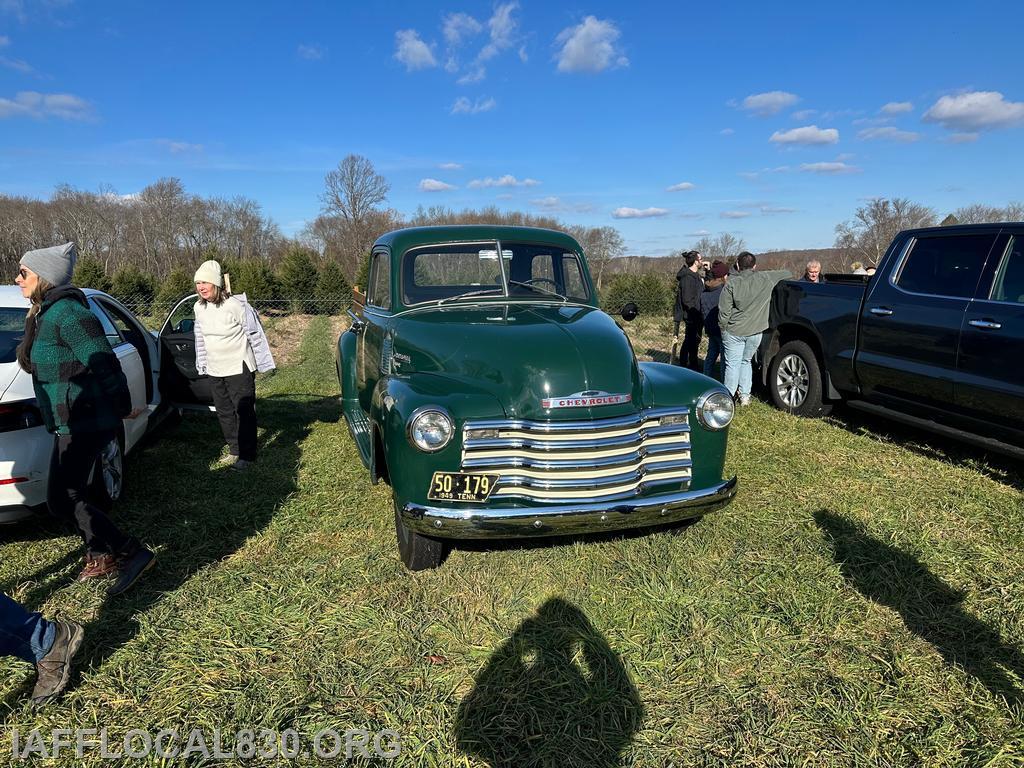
(589, 398)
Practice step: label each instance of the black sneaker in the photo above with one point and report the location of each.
(54, 669)
(132, 567)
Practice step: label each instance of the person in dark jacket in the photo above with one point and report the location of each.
(82, 395)
(717, 277)
(687, 310)
(48, 645)
(812, 274)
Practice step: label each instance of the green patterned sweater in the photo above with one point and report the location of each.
(78, 380)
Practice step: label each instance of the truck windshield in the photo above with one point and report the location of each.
(471, 270)
(12, 328)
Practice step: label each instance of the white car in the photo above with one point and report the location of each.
(25, 445)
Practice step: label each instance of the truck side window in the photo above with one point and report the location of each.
(380, 284)
(575, 288)
(1009, 282)
(945, 266)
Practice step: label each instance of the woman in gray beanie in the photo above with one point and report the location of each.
(82, 396)
(230, 347)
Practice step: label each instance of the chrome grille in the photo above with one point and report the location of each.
(596, 460)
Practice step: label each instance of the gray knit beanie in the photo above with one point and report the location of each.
(55, 265)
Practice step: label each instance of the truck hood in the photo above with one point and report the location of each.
(526, 354)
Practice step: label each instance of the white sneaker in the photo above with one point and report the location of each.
(227, 461)
(744, 399)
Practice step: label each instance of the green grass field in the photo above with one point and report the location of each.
(860, 603)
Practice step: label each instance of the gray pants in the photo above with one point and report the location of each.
(235, 400)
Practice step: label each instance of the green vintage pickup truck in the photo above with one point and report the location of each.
(480, 380)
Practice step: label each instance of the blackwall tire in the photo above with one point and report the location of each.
(795, 381)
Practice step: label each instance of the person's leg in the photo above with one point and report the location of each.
(242, 390)
(226, 414)
(732, 354)
(28, 636)
(690, 357)
(74, 458)
(714, 350)
(750, 345)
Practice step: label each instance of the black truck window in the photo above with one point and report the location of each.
(945, 266)
(1009, 282)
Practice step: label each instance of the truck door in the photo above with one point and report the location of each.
(376, 315)
(911, 320)
(990, 387)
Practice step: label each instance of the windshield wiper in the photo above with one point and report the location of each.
(538, 289)
(485, 292)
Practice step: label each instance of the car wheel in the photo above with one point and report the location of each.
(418, 552)
(794, 381)
(108, 475)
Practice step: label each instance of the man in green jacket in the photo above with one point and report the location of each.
(743, 317)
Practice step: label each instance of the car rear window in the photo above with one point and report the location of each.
(12, 328)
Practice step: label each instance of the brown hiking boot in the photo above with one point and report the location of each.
(54, 669)
(98, 566)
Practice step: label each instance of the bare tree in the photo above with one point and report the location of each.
(867, 235)
(984, 214)
(722, 248)
(354, 189)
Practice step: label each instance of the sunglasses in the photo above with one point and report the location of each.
(23, 273)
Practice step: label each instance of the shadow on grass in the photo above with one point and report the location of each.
(1002, 469)
(554, 694)
(195, 516)
(929, 607)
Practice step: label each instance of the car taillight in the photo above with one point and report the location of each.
(13, 480)
(21, 415)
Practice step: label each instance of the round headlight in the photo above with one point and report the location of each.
(430, 429)
(715, 409)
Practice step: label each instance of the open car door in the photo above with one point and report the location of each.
(180, 382)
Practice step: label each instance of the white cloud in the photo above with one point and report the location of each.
(508, 180)
(450, 166)
(63, 106)
(897, 108)
(433, 185)
(691, 215)
(699, 233)
(734, 214)
(807, 135)
(888, 133)
(804, 114)
(770, 103)
(179, 147)
(548, 203)
(464, 106)
(681, 186)
(4, 41)
(726, 132)
(18, 65)
(590, 47)
(962, 138)
(460, 26)
(556, 204)
(502, 27)
(975, 111)
(755, 175)
(412, 51)
(835, 168)
(639, 213)
(475, 75)
(770, 209)
(311, 51)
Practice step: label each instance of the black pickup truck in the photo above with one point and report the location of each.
(934, 338)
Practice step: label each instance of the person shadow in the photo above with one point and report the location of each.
(191, 512)
(553, 694)
(929, 607)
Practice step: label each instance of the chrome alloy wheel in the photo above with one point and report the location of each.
(112, 467)
(791, 381)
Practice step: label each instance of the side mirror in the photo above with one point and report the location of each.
(630, 311)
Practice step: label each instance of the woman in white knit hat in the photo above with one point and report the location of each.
(230, 347)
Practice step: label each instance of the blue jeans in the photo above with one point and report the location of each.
(739, 351)
(26, 635)
(714, 350)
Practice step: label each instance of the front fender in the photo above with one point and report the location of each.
(671, 386)
(346, 365)
(394, 401)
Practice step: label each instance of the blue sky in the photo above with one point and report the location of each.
(771, 120)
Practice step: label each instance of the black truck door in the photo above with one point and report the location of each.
(991, 363)
(180, 382)
(911, 320)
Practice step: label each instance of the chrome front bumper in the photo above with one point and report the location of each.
(521, 522)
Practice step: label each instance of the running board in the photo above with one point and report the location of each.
(359, 428)
(988, 443)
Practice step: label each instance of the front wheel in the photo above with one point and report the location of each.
(418, 552)
(795, 381)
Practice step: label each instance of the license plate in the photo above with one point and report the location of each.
(461, 486)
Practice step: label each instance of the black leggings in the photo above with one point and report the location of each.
(74, 458)
(235, 400)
